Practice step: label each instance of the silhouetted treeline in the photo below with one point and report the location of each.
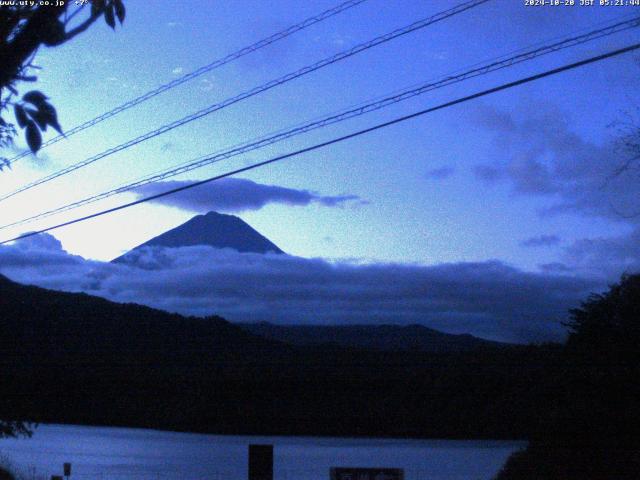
(590, 427)
(72, 358)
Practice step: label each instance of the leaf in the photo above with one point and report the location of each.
(34, 138)
(96, 7)
(109, 18)
(12, 89)
(35, 97)
(120, 10)
(54, 34)
(21, 116)
(39, 116)
(51, 116)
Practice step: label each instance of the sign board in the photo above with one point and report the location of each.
(354, 473)
(56, 477)
(260, 462)
(67, 469)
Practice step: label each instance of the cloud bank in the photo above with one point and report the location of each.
(488, 299)
(233, 195)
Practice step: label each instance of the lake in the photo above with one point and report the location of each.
(136, 454)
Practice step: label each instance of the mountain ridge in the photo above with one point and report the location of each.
(77, 359)
(417, 338)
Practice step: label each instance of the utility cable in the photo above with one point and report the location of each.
(318, 146)
(339, 117)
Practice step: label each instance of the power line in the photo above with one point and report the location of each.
(255, 91)
(358, 133)
(200, 71)
(342, 116)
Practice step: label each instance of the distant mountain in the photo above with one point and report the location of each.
(411, 338)
(213, 229)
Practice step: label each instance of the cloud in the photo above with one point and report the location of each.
(206, 85)
(440, 173)
(539, 155)
(488, 299)
(338, 39)
(167, 147)
(487, 173)
(42, 241)
(603, 257)
(40, 258)
(541, 241)
(237, 195)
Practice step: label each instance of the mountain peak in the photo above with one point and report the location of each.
(213, 229)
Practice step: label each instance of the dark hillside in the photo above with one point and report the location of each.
(73, 358)
(394, 338)
(41, 326)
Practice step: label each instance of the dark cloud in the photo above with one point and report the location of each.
(556, 268)
(488, 299)
(237, 195)
(540, 155)
(604, 257)
(541, 241)
(440, 173)
(493, 119)
(487, 173)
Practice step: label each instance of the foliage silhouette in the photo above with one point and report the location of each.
(591, 427)
(24, 28)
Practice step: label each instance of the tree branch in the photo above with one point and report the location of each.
(15, 53)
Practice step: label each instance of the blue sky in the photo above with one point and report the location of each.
(519, 177)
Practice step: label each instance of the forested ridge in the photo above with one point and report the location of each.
(73, 358)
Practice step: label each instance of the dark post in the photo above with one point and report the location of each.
(67, 469)
(260, 462)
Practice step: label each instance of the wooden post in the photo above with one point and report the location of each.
(260, 462)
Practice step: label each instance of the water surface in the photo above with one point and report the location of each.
(137, 454)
